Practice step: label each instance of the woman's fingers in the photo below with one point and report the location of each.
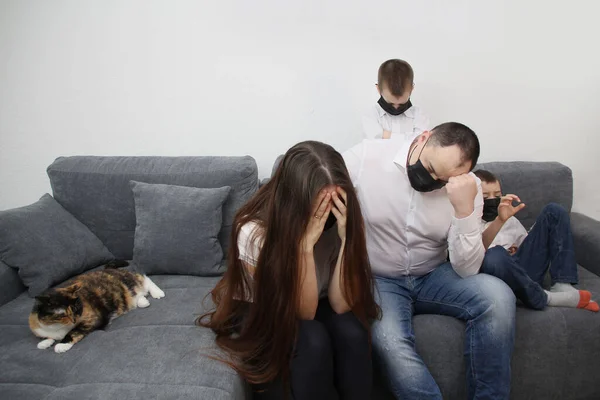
(342, 192)
(324, 203)
(318, 201)
(337, 213)
(338, 203)
(324, 217)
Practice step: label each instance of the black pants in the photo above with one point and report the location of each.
(332, 360)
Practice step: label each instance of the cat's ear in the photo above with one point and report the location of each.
(72, 289)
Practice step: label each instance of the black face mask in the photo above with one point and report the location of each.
(490, 209)
(420, 179)
(388, 108)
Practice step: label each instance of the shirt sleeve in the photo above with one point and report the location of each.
(371, 125)
(520, 233)
(421, 123)
(465, 243)
(354, 161)
(249, 243)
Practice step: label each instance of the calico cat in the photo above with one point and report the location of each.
(87, 303)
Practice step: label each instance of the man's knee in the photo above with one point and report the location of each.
(494, 299)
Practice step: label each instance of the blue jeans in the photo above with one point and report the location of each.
(484, 302)
(549, 245)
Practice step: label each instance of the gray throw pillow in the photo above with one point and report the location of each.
(47, 244)
(177, 229)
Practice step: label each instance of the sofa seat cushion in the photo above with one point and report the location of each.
(155, 352)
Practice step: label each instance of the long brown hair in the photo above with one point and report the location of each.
(259, 336)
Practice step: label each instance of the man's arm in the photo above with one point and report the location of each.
(422, 122)
(372, 128)
(465, 243)
(353, 158)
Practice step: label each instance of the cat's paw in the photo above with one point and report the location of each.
(62, 347)
(157, 293)
(44, 344)
(142, 302)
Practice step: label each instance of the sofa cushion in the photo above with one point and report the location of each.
(156, 352)
(47, 244)
(177, 229)
(96, 190)
(10, 284)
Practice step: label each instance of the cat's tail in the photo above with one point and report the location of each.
(116, 264)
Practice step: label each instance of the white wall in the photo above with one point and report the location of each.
(254, 77)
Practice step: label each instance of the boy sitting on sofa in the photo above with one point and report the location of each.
(394, 113)
(522, 259)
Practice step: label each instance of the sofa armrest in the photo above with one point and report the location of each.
(586, 236)
(10, 284)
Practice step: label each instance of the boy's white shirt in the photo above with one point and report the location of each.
(411, 123)
(511, 234)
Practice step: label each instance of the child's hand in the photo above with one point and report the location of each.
(386, 134)
(506, 209)
(512, 250)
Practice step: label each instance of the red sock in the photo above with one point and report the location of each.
(592, 306)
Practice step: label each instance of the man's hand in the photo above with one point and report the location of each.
(386, 134)
(461, 191)
(506, 209)
(512, 250)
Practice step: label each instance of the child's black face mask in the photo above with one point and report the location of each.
(388, 108)
(490, 209)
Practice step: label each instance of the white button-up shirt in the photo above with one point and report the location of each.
(512, 233)
(409, 232)
(409, 124)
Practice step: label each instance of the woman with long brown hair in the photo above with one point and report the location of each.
(294, 308)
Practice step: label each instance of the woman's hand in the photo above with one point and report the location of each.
(340, 211)
(314, 229)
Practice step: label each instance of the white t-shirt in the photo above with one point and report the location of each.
(326, 251)
(511, 234)
(409, 124)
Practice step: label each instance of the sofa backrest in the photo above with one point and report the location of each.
(96, 190)
(536, 184)
(11, 284)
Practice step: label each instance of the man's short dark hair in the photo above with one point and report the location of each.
(454, 133)
(396, 75)
(486, 176)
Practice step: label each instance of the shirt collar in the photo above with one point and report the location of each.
(402, 155)
(410, 113)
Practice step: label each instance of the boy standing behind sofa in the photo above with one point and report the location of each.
(394, 113)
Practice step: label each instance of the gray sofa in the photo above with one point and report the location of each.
(158, 352)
